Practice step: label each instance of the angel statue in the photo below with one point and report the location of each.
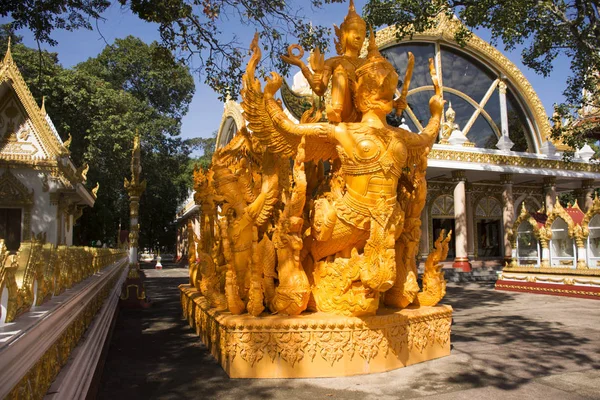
(352, 247)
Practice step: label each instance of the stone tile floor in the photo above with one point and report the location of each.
(505, 346)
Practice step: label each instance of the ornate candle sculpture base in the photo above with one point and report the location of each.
(314, 345)
(290, 238)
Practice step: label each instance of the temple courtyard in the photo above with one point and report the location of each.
(505, 345)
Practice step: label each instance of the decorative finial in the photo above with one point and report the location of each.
(95, 193)
(373, 51)
(8, 56)
(43, 107)
(136, 167)
(67, 142)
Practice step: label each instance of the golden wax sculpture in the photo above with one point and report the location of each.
(302, 273)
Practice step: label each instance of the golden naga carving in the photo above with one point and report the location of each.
(290, 238)
(434, 284)
(40, 270)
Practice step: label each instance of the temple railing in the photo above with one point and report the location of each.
(50, 297)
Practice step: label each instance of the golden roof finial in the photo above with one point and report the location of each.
(67, 142)
(95, 192)
(8, 56)
(43, 107)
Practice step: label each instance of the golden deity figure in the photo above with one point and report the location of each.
(352, 248)
(339, 70)
(449, 126)
(307, 255)
(248, 199)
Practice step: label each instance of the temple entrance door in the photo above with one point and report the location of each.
(448, 225)
(10, 227)
(488, 238)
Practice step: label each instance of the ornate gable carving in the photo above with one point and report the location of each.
(10, 75)
(18, 139)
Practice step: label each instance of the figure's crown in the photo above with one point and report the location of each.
(376, 63)
(351, 19)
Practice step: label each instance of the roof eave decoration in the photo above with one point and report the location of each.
(445, 30)
(10, 72)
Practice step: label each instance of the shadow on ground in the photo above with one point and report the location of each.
(154, 354)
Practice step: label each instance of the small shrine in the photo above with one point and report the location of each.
(555, 252)
(41, 190)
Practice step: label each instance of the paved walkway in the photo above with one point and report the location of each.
(505, 346)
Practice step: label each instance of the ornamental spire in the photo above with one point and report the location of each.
(8, 56)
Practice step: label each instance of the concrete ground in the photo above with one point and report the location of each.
(505, 346)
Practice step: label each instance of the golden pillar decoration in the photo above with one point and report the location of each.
(134, 188)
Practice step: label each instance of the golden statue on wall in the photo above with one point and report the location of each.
(317, 216)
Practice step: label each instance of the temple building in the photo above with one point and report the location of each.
(41, 190)
(494, 154)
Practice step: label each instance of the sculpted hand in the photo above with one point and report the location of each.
(436, 104)
(294, 59)
(273, 85)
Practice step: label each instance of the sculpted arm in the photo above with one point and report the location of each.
(283, 123)
(322, 69)
(436, 107)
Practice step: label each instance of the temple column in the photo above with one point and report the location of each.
(587, 191)
(508, 213)
(460, 221)
(549, 193)
(133, 293)
(470, 222)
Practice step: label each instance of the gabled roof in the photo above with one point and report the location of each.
(42, 125)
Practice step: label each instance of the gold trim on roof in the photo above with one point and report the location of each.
(510, 160)
(10, 73)
(445, 30)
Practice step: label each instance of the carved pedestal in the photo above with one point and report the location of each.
(316, 344)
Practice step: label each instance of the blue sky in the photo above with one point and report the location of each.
(205, 110)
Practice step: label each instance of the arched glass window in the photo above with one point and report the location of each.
(594, 242)
(228, 131)
(472, 88)
(562, 247)
(528, 251)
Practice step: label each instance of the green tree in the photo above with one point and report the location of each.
(546, 29)
(192, 28)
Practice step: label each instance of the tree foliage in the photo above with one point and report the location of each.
(190, 28)
(546, 29)
(102, 111)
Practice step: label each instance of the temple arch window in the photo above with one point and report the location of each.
(593, 242)
(562, 246)
(473, 88)
(528, 247)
